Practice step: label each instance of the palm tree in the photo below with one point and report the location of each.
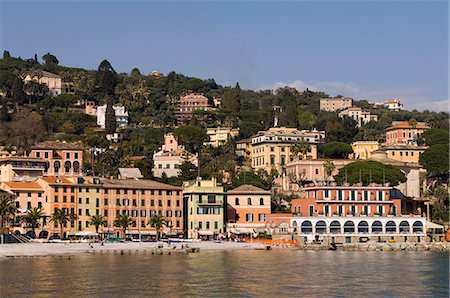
(97, 221)
(329, 167)
(32, 218)
(123, 221)
(157, 221)
(62, 217)
(300, 148)
(7, 207)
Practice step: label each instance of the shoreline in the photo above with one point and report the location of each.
(405, 246)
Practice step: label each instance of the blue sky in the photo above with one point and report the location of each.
(367, 50)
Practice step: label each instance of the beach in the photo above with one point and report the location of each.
(55, 249)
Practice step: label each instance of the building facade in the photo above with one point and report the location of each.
(51, 80)
(271, 148)
(247, 208)
(364, 149)
(402, 132)
(359, 115)
(405, 153)
(21, 169)
(335, 104)
(64, 159)
(219, 136)
(120, 112)
(188, 104)
(204, 209)
(394, 105)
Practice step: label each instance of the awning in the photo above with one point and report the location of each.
(242, 230)
(148, 232)
(86, 233)
(432, 225)
(205, 232)
(132, 232)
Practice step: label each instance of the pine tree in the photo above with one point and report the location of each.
(110, 117)
(4, 115)
(6, 54)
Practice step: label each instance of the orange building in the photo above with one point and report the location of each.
(64, 159)
(247, 208)
(142, 199)
(404, 133)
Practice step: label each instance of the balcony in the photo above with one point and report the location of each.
(210, 202)
(26, 166)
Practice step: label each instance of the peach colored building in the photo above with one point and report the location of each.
(335, 104)
(364, 149)
(247, 208)
(404, 133)
(64, 159)
(271, 148)
(52, 81)
(21, 168)
(405, 153)
(142, 199)
(188, 104)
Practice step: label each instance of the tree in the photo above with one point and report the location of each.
(192, 137)
(435, 159)
(157, 221)
(370, 171)
(17, 91)
(300, 149)
(65, 100)
(50, 59)
(249, 178)
(329, 167)
(32, 218)
(135, 73)
(4, 114)
(232, 99)
(412, 122)
(123, 221)
(307, 120)
(7, 208)
(110, 117)
(97, 221)
(188, 171)
(6, 54)
(335, 149)
(106, 78)
(61, 217)
(435, 136)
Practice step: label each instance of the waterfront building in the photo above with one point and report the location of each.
(279, 224)
(64, 159)
(51, 80)
(119, 111)
(271, 148)
(364, 149)
(189, 103)
(204, 212)
(394, 105)
(141, 199)
(21, 168)
(402, 132)
(219, 136)
(247, 208)
(354, 213)
(335, 104)
(359, 115)
(170, 157)
(59, 192)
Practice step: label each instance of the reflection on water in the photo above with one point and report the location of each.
(233, 273)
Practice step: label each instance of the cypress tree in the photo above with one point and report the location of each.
(110, 117)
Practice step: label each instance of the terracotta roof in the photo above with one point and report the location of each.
(54, 180)
(58, 145)
(405, 124)
(137, 184)
(248, 189)
(23, 185)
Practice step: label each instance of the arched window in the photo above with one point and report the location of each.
(417, 227)
(321, 227)
(67, 166)
(76, 166)
(236, 201)
(56, 167)
(335, 227)
(377, 227)
(261, 201)
(391, 228)
(404, 227)
(306, 227)
(249, 201)
(349, 227)
(363, 227)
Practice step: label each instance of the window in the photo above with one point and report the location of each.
(46, 154)
(117, 191)
(106, 213)
(106, 202)
(80, 212)
(249, 217)
(311, 210)
(200, 225)
(125, 191)
(272, 160)
(317, 171)
(178, 203)
(211, 199)
(207, 225)
(326, 194)
(97, 202)
(118, 202)
(160, 203)
(39, 205)
(236, 201)
(160, 166)
(261, 217)
(87, 200)
(353, 195)
(169, 203)
(366, 195)
(216, 225)
(167, 166)
(87, 212)
(249, 201)
(152, 202)
(142, 202)
(67, 155)
(39, 195)
(380, 195)
(261, 201)
(340, 195)
(76, 155)
(28, 205)
(64, 189)
(134, 202)
(72, 199)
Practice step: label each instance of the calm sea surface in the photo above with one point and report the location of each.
(276, 273)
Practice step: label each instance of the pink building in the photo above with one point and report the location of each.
(404, 133)
(64, 159)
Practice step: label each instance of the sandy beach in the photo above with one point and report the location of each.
(53, 249)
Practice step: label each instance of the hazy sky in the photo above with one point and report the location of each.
(366, 50)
